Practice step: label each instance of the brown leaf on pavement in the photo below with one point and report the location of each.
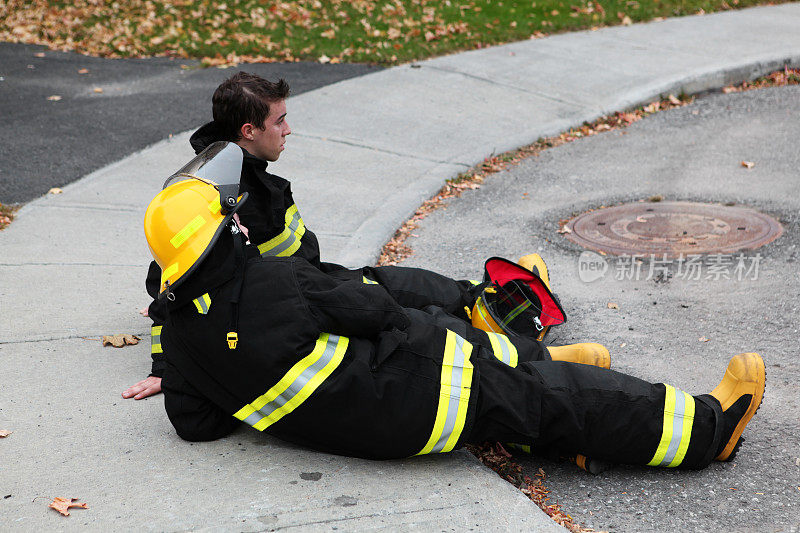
(702, 339)
(564, 229)
(98, 89)
(38, 54)
(612, 305)
(55, 190)
(62, 505)
(54, 98)
(4, 433)
(747, 164)
(83, 71)
(120, 339)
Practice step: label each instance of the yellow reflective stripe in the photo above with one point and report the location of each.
(474, 282)
(686, 431)
(187, 231)
(215, 206)
(273, 242)
(483, 312)
(503, 349)
(155, 340)
(666, 430)
(524, 447)
(202, 303)
(170, 270)
(456, 383)
(297, 384)
(516, 311)
(679, 409)
(287, 242)
(368, 281)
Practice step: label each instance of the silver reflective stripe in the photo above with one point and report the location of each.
(677, 427)
(285, 245)
(202, 303)
(253, 418)
(455, 394)
(503, 349)
(155, 340)
(291, 233)
(297, 384)
(295, 222)
(676, 432)
(302, 379)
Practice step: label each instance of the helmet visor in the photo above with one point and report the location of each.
(220, 164)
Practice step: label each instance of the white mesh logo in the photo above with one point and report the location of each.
(591, 266)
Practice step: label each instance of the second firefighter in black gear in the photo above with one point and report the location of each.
(276, 228)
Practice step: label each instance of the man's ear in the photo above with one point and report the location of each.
(247, 131)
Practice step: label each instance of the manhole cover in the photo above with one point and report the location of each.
(672, 228)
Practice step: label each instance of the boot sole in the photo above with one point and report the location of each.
(736, 440)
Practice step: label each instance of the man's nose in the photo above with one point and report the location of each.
(288, 129)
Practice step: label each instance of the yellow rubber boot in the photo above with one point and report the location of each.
(535, 264)
(586, 353)
(745, 376)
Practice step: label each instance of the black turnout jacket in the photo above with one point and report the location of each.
(330, 362)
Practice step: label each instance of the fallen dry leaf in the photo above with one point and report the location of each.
(673, 100)
(747, 164)
(565, 229)
(612, 305)
(702, 339)
(98, 89)
(729, 89)
(55, 190)
(120, 339)
(144, 311)
(54, 98)
(83, 71)
(624, 344)
(38, 54)
(626, 21)
(62, 505)
(4, 433)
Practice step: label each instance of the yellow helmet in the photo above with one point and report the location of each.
(181, 225)
(516, 301)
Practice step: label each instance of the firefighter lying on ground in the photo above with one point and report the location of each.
(272, 221)
(338, 365)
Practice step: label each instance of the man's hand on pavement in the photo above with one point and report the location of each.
(147, 387)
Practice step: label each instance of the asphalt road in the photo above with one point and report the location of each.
(691, 153)
(49, 143)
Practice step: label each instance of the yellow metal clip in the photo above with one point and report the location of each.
(233, 338)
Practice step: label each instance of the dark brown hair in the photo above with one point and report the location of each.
(244, 98)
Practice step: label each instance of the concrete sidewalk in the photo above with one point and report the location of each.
(365, 153)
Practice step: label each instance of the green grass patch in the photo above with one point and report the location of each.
(384, 32)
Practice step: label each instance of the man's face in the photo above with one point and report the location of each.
(267, 142)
